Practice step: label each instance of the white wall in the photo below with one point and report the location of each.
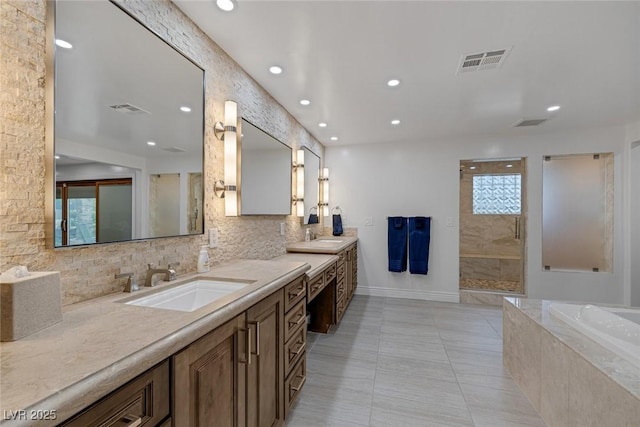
(422, 178)
(633, 139)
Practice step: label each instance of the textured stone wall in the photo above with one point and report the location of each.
(88, 272)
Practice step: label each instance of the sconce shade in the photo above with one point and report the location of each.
(299, 197)
(230, 158)
(325, 191)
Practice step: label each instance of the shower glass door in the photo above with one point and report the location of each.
(492, 216)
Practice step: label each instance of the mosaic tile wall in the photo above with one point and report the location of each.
(88, 272)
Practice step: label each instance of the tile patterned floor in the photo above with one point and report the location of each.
(399, 362)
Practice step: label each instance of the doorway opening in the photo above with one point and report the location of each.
(492, 225)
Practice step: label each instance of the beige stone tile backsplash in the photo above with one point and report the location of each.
(88, 272)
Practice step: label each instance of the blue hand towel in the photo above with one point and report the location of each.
(419, 237)
(337, 225)
(397, 243)
(313, 218)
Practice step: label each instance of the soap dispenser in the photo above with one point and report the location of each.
(203, 260)
(307, 235)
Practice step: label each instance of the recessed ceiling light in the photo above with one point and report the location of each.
(553, 108)
(509, 166)
(472, 167)
(305, 102)
(57, 157)
(393, 82)
(185, 109)
(274, 69)
(395, 122)
(151, 143)
(226, 5)
(64, 44)
(322, 124)
(334, 138)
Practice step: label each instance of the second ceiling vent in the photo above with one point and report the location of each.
(489, 60)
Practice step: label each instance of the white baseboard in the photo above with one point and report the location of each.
(410, 294)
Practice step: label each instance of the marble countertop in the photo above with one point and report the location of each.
(101, 344)
(318, 262)
(320, 245)
(613, 365)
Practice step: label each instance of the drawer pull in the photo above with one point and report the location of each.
(294, 295)
(299, 386)
(298, 351)
(130, 420)
(297, 322)
(257, 325)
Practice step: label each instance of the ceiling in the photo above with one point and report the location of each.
(583, 56)
(104, 68)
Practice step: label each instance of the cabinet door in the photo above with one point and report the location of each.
(209, 379)
(265, 373)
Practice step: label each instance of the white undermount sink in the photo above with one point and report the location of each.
(190, 296)
(328, 241)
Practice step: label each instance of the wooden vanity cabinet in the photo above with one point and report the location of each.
(209, 378)
(144, 401)
(265, 367)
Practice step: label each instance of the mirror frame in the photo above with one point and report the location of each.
(49, 154)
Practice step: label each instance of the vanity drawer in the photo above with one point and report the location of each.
(330, 273)
(294, 319)
(294, 383)
(294, 292)
(146, 398)
(294, 348)
(315, 286)
(340, 271)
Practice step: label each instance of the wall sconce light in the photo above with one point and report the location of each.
(324, 183)
(227, 132)
(298, 198)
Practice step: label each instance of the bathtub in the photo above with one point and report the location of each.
(617, 329)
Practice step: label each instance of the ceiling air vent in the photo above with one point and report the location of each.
(528, 122)
(483, 60)
(175, 150)
(128, 109)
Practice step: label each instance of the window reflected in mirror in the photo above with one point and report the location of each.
(127, 106)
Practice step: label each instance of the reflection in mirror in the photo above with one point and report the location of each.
(265, 175)
(311, 186)
(128, 130)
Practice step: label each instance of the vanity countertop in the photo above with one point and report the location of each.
(101, 344)
(323, 245)
(318, 262)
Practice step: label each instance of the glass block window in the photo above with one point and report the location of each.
(496, 194)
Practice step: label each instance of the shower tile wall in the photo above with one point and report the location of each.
(490, 255)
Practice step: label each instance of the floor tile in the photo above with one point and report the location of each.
(400, 362)
(387, 411)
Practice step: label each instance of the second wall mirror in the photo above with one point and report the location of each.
(265, 173)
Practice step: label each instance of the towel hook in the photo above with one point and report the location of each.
(336, 210)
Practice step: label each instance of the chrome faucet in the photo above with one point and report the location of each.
(131, 285)
(169, 274)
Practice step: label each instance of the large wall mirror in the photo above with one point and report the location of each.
(311, 186)
(128, 129)
(265, 177)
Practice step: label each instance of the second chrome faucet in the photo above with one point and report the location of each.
(169, 274)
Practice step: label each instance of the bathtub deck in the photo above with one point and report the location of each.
(569, 378)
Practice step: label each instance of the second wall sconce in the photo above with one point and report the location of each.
(227, 132)
(298, 198)
(324, 191)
